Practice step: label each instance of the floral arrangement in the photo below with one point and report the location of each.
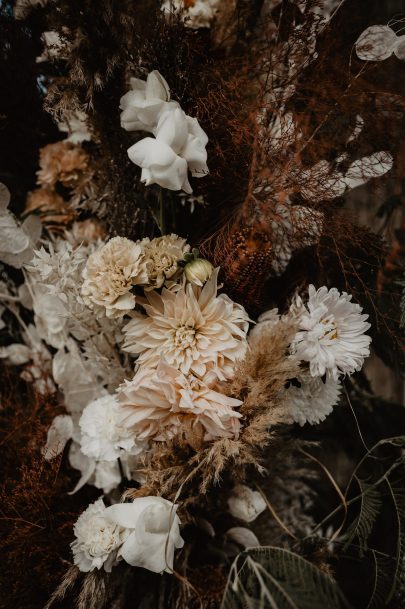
(189, 317)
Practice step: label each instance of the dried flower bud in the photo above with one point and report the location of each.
(246, 504)
(198, 271)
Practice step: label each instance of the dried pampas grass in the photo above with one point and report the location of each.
(259, 381)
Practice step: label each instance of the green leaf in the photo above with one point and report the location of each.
(363, 524)
(381, 581)
(277, 578)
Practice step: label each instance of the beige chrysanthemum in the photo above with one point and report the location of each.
(110, 274)
(160, 404)
(161, 257)
(193, 329)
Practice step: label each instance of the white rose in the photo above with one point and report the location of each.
(97, 539)
(142, 106)
(179, 147)
(153, 532)
(246, 504)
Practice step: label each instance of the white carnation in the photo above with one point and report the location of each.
(102, 437)
(98, 539)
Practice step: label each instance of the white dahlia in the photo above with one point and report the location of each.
(110, 274)
(313, 401)
(164, 403)
(193, 329)
(102, 437)
(161, 257)
(97, 539)
(331, 335)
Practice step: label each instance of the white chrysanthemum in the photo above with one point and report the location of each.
(161, 404)
(313, 401)
(161, 256)
(265, 322)
(193, 329)
(331, 335)
(98, 539)
(110, 274)
(102, 436)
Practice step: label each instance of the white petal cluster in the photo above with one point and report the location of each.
(110, 274)
(313, 400)
(330, 341)
(17, 241)
(98, 539)
(195, 14)
(179, 143)
(379, 42)
(164, 403)
(102, 436)
(193, 329)
(145, 533)
(153, 529)
(245, 504)
(331, 333)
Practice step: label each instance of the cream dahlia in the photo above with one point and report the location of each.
(193, 329)
(161, 258)
(164, 403)
(331, 335)
(110, 274)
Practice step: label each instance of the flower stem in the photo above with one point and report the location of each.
(162, 226)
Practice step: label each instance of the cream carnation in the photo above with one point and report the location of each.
(193, 329)
(313, 401)
(110, 274)
(153, 532)
(161, 258)
(97, 539)
(102, 437)
(161, 404)
(331, 334)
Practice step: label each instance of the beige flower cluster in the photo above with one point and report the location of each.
(112, 271)
(186, 337)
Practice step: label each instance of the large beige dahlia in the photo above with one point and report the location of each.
(192, 329)
(160, 404)
(110, 274)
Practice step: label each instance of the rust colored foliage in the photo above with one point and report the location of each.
(36, 513)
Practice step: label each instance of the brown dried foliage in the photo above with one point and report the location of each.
(37, 515)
